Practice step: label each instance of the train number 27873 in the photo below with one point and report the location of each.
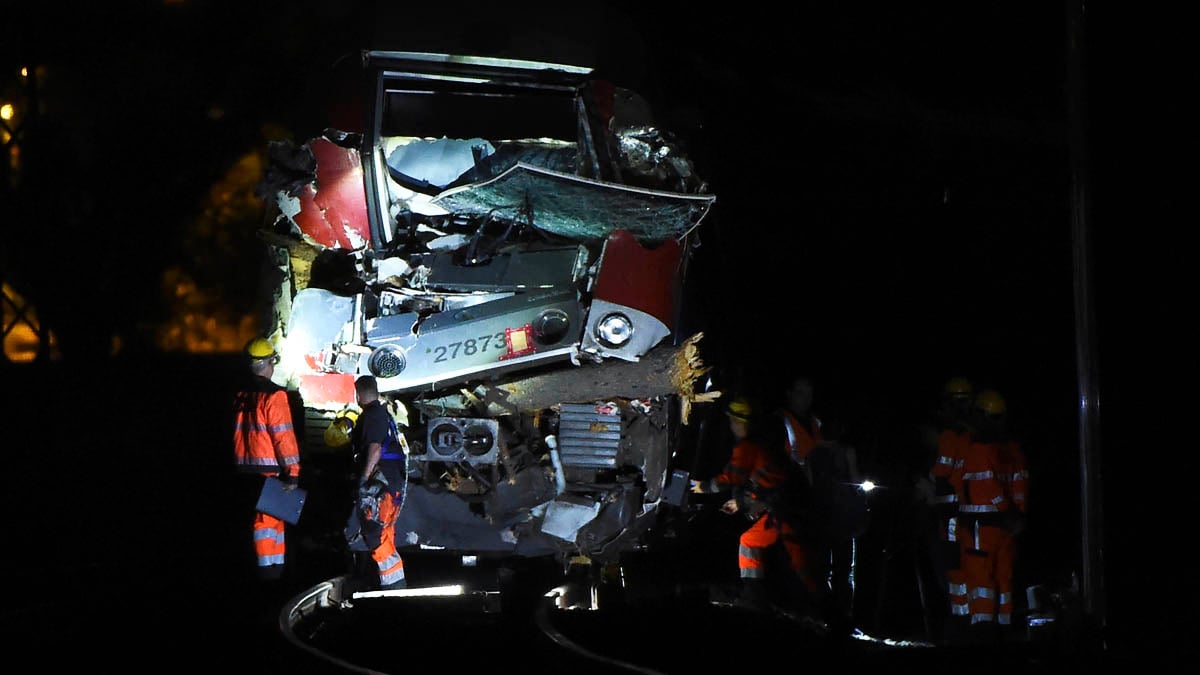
(468, 347)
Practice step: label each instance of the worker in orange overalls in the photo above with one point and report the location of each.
(758, 483)
(991, 516)
(953, 439)
(381, 456)
(264, 444)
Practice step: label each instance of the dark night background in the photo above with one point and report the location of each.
(894, 206)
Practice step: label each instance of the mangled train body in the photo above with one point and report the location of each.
(505, 247)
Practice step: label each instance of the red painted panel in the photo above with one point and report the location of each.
(327, 388)
(637, 277)
(334, 210)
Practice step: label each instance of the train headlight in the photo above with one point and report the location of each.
(386, 362)
(614, 330)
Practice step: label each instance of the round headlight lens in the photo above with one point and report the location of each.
(614, 330)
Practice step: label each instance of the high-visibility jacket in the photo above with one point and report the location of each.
(751, 472)
(264, 440)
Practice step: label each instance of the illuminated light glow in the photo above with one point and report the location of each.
(19, 328)
(7, 111)
(867, 486)
(859, 635)
(429, 592)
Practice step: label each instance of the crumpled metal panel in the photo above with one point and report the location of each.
(565, 515)
(515, 270)
(639, 283)
(319, 320)
(580, 208)
(332, 210)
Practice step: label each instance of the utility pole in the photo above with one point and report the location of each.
(1091, 502)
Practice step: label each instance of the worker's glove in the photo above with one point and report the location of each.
(289, 482)
(371, 488)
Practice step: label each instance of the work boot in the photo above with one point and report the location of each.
(270, 573)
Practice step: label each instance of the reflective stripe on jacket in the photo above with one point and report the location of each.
(264, 440)
(1016, 473)
(985, 486)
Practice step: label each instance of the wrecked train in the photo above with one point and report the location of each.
(504, 246)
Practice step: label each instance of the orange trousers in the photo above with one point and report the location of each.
(759, 537)
(391, 565)
(988, 555)
(269, 545)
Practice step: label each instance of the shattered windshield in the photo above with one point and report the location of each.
(580, 208)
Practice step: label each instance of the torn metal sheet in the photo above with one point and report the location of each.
(581, 208)
(320, 320)
(564, 518)
(331, 211)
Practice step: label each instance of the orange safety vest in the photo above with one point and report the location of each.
(264, 440)
(800, 440)
(752, 468)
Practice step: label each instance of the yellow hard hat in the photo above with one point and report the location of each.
(990, 402)
(337, 434)
(740, 409)
(260, 348)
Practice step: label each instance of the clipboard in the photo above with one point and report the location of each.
(283, 504)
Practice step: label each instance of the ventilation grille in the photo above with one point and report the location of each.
(589, 435)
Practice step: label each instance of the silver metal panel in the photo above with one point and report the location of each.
(453, 346)
(648, 331)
